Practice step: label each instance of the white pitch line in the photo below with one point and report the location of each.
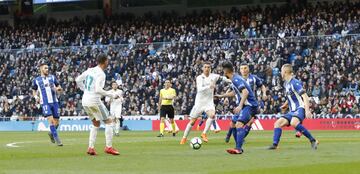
(13, 145)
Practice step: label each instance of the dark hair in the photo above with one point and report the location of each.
(206, 63)
(244, 64)
(42, 62)
(102, 58)
(228, 65)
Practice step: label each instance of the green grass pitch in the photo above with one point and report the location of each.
(142, 152)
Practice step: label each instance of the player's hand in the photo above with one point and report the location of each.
(237, 109)
(264, 97)
(217, 96)
(308, 114)
(283, 107)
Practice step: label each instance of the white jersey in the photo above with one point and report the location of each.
(205, 95)
(92, 82)
(116, 104)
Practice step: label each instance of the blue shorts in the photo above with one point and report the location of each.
(245, 114)
(51, 109)
(299, 113)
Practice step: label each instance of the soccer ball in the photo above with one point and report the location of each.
(195, 143)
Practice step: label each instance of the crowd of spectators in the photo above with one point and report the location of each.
(146, 50)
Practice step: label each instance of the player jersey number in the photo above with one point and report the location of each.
(89, 80)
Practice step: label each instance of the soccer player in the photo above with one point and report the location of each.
(167, 95)
(255, 83)
(246, 105)
(46, 85)
(204, 100)
(92, 82)
(116, 106)
(299, 108)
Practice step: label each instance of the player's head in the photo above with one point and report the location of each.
(286, 71)
(167, 83)
(244, 69)
(228, 69)
(206, 68)
(44, 68)
(114, 85)
(103, 61)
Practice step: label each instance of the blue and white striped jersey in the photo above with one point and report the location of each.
(293, 91)
(46, 87)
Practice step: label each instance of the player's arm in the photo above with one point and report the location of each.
(224, 79)
(160, 99)
(300, 90)
(263, 91)
(285, 105)
(57, 85)
(260, 84)
(229, 93)
(35, 91)
(80, 80)
(244, 95)
(306, 105)
(99, 87)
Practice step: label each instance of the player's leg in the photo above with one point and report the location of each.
(216, 129)
(281, 122)
(162, 121)
(91, 111)
(194, 114)
(117, 116)
(247, 127)
(232, 129)
(187, 130)
(296, 123)
(208, 123)
(243, 119)
(109, 130)
(171, 115)
(202, 120)
(53, 110)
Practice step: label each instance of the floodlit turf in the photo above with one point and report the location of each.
(142, 152)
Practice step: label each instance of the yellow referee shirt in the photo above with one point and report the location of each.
(165, 93)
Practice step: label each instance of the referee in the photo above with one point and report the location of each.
(167, 95)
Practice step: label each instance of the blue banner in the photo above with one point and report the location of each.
(69, 125)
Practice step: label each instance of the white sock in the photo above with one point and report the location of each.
(117, 125)
(109, 129)
(187, 130)
(92, 137)
(207, 125)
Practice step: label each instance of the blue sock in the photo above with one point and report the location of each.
(304, 131)
(201, 122)
(53, 131)
(277, 135)
(247, 130)
(240, 138)
(214, 124)
(229, 132)
(234, 133)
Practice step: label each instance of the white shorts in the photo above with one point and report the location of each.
(99, 112)
(197, 110)
(115, 113)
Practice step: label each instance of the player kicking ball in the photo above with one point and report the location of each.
(204, 100)
(92, 82)
(299, 108)
(46, 85)
(255, 83)
(247, 105)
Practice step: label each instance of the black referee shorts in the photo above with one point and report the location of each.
(167, 110)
